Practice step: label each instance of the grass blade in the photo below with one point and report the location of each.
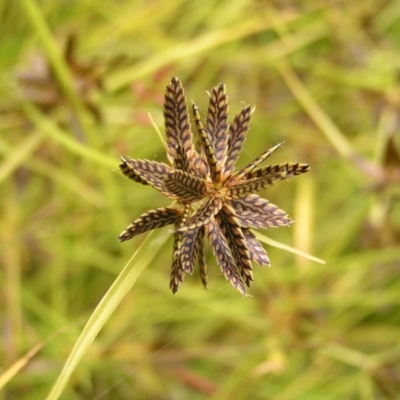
(124, 282)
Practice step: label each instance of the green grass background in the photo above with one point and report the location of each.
(76, 319)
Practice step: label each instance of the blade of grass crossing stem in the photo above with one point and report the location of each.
(124, 282)
(19, 155)
(279, 245)
(332, 133)
(329, 129)
(54, 55)
(13, 370)
(184, 50)
(60, 136)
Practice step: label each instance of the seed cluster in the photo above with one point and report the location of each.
(228, 206)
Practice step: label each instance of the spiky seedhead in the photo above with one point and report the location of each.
(211, 199)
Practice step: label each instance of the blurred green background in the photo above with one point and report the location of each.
(77, 82)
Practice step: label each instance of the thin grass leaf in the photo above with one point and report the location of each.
(64, 138)
(290, 249)
(120, 287)
(14, 158)
(202, 43)
(10, 372)
(59, 66)
(158, 131)
(20, 154)
(331, 131)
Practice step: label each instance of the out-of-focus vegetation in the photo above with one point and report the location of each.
(77, 82)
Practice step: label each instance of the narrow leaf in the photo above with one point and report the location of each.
(107, 306)
(285, 247)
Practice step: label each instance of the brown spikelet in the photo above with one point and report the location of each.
(204, 214)
(185, 186)
(192, 241)
(177, 272)
(180, 159)
(284, 171)
(249, 167)
(256, 204)
(176, 117)
(202, 259)
(256, 250)
(217, 123)
(250, 219)
(244, 188)
(213, 165)
(224, 257)
(232, 231)
(147, 169)
(268, 176)
(152, 219)
(200, 167)
(237, 135)
(147, 173)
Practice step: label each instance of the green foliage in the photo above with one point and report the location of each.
(77, 320)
